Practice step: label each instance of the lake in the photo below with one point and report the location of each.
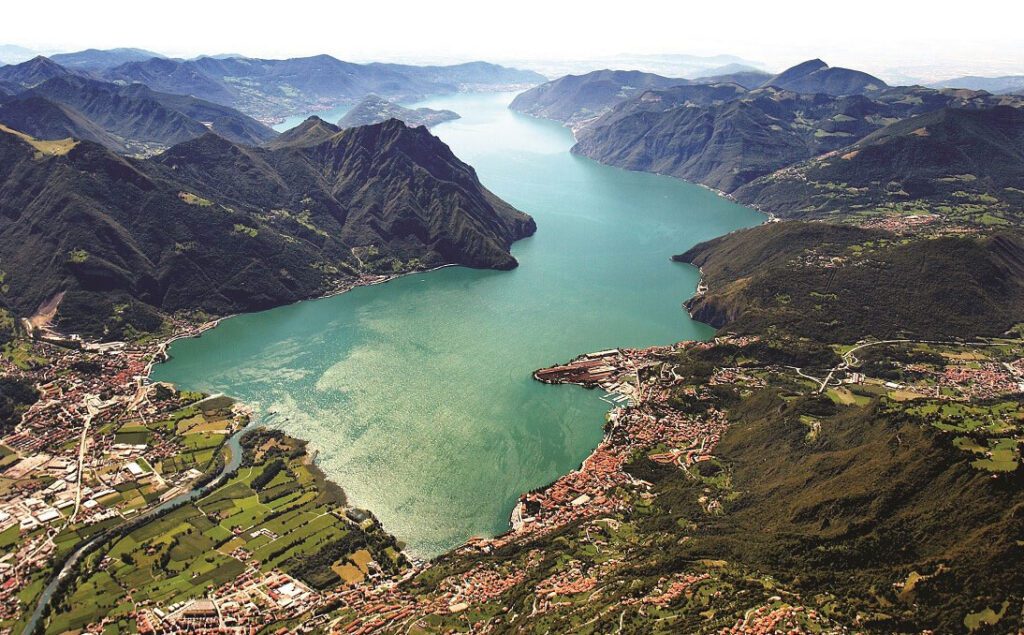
(417, 394)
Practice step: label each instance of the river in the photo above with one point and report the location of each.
(417, 394)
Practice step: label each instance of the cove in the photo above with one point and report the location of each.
(417, 394)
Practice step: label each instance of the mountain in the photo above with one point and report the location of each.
(373, 109)
(665, 64)
(135, 119)
(469, 76)
(729, 69)
(815, 76)
(747, 79)
(999, 85)
(48, 120)
(223, 120)
(174, 77)
(214, 226)
(760, 280)
(725, 136)
(312, 131)
(965, 165)
(33, 72)
(97, 60)
(722, 135)
(272, 89)
(574, 99)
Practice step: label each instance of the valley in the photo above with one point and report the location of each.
(620, 352)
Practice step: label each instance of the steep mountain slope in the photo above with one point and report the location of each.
(92, 60)
(961, 164)
(138, 113)
(839, 283)
(33, 72)
(271, 89)
(815, 76)
(44, 119)
(373, 109)
(135, 119)
(574, 99)
(227, 122)
(175, 77)
(210, 225)
(312, 131)
(721, 135)
(724, 136)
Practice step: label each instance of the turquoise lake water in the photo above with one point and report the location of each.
(417, 394)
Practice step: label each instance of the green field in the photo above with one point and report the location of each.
(288, 526)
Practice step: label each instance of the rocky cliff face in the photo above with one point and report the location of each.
(211, 225)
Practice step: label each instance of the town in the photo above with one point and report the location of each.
(102, 447)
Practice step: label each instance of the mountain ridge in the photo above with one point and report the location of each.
(133, 119)
(213, 226)
(815, 76)
(311, 81)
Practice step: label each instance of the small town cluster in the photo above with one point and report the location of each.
(103, 449)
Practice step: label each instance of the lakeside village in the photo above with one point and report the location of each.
(972, 393)
(102, 446)
(87, 455)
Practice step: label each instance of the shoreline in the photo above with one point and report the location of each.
(366, 281)
(473, 541)
(574, 127)
(162, 354)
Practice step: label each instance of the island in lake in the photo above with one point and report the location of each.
(373, 109)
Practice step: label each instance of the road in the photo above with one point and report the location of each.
(234, 460)
(849, 359)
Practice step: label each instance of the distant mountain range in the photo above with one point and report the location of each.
(727, 136)
(269, 90)
(1008, 84)
(374, 109)
(97, 59)
(272, 89)
(32, 72)
(52, 103)
(667, 64)
(574, 99)
(214, 226)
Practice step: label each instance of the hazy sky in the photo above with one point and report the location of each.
(870, 34)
